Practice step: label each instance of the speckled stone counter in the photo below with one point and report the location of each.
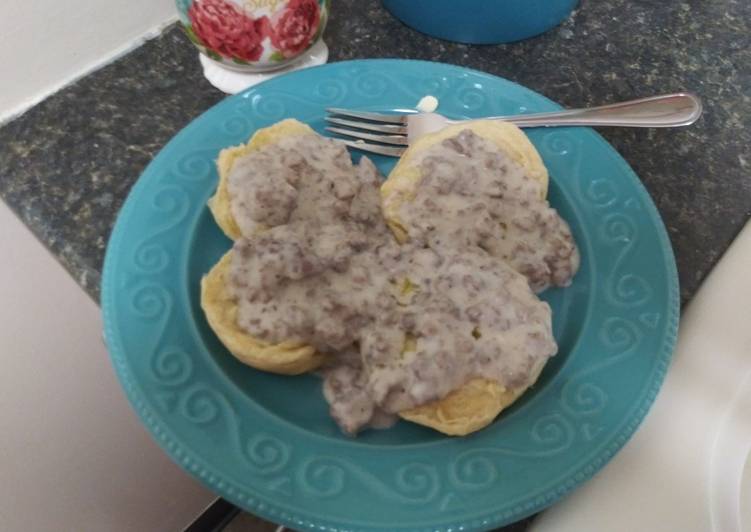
(67, 165)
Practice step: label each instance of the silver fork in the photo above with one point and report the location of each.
(391, 133)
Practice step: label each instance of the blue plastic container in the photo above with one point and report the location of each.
(481, 21)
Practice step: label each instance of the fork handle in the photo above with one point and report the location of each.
(669, 110)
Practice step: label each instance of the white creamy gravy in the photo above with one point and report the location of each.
(475, 195)
(405, 325)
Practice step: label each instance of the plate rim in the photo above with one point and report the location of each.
(195, 466)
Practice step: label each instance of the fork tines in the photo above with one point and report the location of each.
(399, 140)
(369, 126)
(367, 115)
(389, 131)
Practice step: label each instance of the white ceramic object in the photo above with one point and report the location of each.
(254, 35)
(687, 467)
(233, 81)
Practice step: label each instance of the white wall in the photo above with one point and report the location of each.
(46, 44)
(73, 456)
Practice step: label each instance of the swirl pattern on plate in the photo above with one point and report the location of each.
(567, 428)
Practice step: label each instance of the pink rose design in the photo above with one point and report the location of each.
(227, 30)
(295, 26)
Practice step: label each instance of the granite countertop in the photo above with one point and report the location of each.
(67, 164)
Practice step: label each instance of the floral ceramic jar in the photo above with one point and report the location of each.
(253, 35)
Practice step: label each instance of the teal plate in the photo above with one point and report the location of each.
(266, 442)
